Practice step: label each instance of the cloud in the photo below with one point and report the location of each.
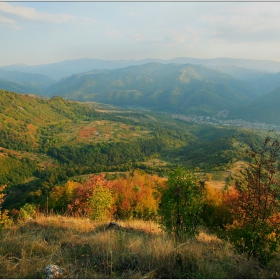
(257, 18)
(114, 34)
(170, 37)
(7, 20)
(86, 20)
(137, 37)
(21, 12)
(176, 36)
(259, 22)
(8, 23)
(188, 34)
(133, 14)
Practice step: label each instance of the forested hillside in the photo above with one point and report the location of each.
(35, 81)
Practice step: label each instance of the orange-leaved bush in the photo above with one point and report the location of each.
(137, 195)
(215, 212)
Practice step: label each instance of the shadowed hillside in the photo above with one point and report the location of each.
(263, 109)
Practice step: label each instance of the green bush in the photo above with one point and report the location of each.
(181, 204)
(100, 203)
(28, 211)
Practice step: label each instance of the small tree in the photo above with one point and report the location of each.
(101, 202)
(255, 205)
(181, 204)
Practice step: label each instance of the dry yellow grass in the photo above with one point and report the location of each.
(155, 162)
(219, 185)
(139, 249)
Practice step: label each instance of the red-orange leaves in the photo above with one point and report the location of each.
(132, 196)
(93, 198)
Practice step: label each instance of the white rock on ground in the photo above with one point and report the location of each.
(54, 272)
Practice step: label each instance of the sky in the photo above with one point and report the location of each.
(36, 33)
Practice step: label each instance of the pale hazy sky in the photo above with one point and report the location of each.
(45, 32)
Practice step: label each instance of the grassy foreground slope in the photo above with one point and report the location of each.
(87, 249)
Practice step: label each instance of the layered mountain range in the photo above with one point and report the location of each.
(188, 89)
(250, 94)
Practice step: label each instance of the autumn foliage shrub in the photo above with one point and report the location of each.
(137, 195)
(61, 196)
(255, 205)
(134, 195)
(93, 199)
(216, 211)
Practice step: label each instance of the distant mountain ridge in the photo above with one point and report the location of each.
(65, 68)
(167, 87)
(264, 82)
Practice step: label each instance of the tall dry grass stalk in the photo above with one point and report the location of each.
(139, 249)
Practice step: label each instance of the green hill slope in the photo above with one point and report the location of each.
(31, 79)
(19, 87)
(22, 117)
